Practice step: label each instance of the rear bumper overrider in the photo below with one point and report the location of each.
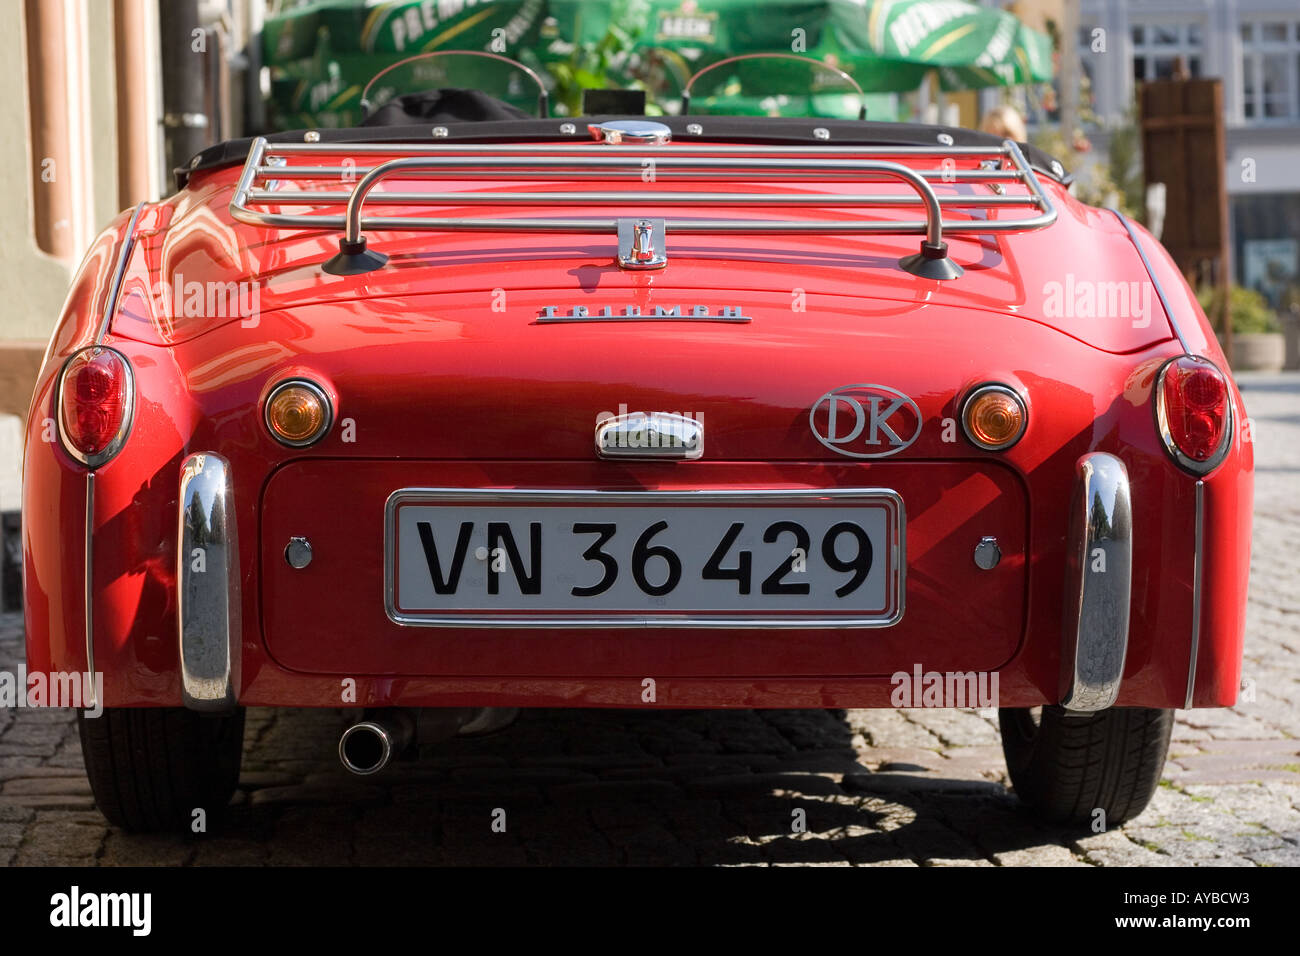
(1099, 582)
(207, 572)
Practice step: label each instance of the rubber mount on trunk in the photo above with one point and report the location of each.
(354, 259)
(932, 262)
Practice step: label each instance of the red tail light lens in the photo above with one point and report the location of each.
(1194, 413)
(96, 400)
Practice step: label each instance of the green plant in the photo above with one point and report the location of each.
(1250, 310)
(595, 66)
(1094, 183)
(1125, 167)
(1115, 182)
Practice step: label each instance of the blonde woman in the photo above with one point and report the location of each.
(1005, 121)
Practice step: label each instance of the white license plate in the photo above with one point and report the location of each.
(460, 557)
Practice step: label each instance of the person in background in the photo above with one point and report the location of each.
(1005, 121)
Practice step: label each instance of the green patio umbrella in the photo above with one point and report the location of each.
(322, 52)
(887, 46)
(970, 45)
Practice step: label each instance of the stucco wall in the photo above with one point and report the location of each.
(33, 283)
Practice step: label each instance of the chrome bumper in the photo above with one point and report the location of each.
(207, 578)
(1099, 579)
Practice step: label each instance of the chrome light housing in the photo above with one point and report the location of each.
(1193, 408)
(994, 417)
(95, 404)
(298, 413)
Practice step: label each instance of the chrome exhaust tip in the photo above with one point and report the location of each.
(369, 745)
(366, 748)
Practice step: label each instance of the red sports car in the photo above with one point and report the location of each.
(441, 422)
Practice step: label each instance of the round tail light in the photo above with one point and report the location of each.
(994, 417)
(96, 403)
(1194, 413)
(298, 413)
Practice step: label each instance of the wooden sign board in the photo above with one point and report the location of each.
(1183, 147)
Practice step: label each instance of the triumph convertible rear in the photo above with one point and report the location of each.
(705, 413)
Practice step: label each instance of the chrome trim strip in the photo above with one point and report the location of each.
(123, 431)
(767, 621)
(1197, 571)
(1099, 581)
(110, 304)
(1160, 292)
(208, 588)
(88, 569)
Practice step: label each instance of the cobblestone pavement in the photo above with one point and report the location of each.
(902, 788)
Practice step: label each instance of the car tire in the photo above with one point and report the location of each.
(150, 768)
(1067, 767)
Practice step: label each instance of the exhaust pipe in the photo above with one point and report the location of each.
(368, 746)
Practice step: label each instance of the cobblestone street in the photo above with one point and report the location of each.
(904, 788)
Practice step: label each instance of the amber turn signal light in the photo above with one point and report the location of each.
(298, 413)
(994, 417)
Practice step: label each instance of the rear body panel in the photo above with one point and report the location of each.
(311, 628)
(441, 374)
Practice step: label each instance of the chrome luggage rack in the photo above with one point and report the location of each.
(272, 179)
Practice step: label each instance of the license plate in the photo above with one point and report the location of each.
(460, 557)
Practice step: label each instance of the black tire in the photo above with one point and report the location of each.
(150, 768)
(1066, 768)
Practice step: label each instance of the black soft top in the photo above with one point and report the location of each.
(777, 131)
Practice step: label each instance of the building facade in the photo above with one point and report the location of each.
(1254, 47)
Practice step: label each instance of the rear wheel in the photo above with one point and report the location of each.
(150, 768)
(1068, 767)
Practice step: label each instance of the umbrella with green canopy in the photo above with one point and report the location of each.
(970, 45)
(887, 46)
(323, 51)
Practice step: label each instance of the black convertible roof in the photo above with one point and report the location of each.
(778, 131)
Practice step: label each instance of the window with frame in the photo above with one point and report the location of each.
(1270, 70)
(1158, 45)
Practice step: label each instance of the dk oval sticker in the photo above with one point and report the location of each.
(865, 421)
